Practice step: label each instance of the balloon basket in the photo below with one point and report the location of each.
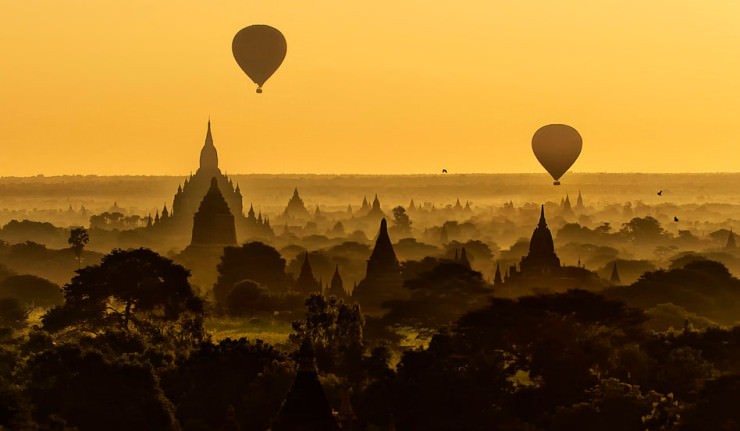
(556, 183)
(259, 91)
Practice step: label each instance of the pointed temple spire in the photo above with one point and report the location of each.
(306, 283)
(306, 406)
(497, 280)
(295, 208)
(542, 223)
(383, 276)
(541, 258)
(730, 241)
(209, 155)
(383, 253)
(614, 279)
(336, 288)
(464, 258)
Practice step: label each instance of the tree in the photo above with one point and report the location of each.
(440, 292)
(645, 229)
(12, 314)
(78, 238)
(336, 332)
(31, 290)
(133, 289)
(701, 286)
(401, 220)
(247, 298)
(90, 392)
(251, 377)
(252, 261)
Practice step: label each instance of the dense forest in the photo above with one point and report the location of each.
(125, 348)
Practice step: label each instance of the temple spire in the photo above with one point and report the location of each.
(208, 155)
(497, 280)
(730, 240)
(614, 279)
(543, 222)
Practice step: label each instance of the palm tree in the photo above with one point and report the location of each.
(78, 237)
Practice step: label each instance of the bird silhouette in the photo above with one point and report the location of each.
(675, 218)
(660, 193)
(444, 171)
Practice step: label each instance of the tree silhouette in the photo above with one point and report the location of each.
(12, 314)
(401, 220)
(134, 289)
(252, 261)
(78, 238)
(90, 392)
(31, 290)
(336, 333)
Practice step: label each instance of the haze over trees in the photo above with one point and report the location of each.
(452, 330)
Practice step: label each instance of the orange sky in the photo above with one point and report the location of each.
(388, 86)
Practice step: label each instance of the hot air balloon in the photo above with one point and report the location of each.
(259, 50)
(557, 147)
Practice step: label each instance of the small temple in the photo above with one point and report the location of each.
(614, 279)
(541, 258)
(383, 275)
(306, 407)
(730, 245)
(579, 202)
(296, 210)
(336, 287)
(541, 268)
(306, 283)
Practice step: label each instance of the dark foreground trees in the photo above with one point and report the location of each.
(131, 290)
(125, 351)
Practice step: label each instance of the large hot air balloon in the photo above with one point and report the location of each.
(557, 147)
(259, 50)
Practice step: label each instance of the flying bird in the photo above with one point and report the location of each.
(675, 218)
(660, 193)
(444, 171)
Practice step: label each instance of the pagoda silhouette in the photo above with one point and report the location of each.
(213, 224)
(541, 258)
(306, 407)
(190, 193)
(336, 287)
(306, 283)
(540, 270)
(296, 210)
(383, 276)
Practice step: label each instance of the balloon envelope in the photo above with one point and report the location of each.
(557, 147)
(259, 50)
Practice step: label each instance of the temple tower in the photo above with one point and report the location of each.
(213, 224)
(306, 283)
(306, 407)
(541, 258)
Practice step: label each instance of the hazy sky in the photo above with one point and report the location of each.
(386, 86)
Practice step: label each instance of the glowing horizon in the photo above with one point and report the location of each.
(383, 88)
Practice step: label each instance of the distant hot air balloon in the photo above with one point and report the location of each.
(259, 50)
(557, 147)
